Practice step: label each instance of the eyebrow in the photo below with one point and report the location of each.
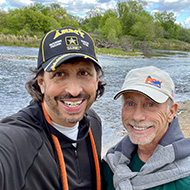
(127, 97)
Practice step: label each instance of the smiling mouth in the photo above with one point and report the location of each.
(72, 104)
(140, 128)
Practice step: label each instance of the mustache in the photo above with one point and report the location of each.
(69, 96)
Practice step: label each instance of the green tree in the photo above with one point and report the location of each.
(3, 20)
(107, 14)
(184, 34)
(136, 7)
(37, 7)
(127, 12)
(61, 16)
(167, 21)
(93, 19)
(158, 30)
(37, 21)
(126, 18)
(143, 28)
(112, 29)
(29, 20)
(47, 22)
(84, 24)
(15, 20)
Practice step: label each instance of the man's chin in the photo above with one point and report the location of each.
(73, 119)
(142, 140)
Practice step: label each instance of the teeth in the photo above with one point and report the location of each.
(140, 129)
(72, 104)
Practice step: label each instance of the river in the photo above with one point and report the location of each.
(14, 72)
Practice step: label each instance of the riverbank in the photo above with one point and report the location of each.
(128, 46)
(184, 117)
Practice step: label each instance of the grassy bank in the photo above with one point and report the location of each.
(116, 52)
(22, 41)
(28, 41)
(170, 44)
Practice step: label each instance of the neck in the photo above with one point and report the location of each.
(145, 151)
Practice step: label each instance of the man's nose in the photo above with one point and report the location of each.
(74, 87)
(138, 114)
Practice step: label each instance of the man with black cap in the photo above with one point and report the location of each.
(154, 154)
(55, 142)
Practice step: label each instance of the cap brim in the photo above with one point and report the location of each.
(55, 62)
(153, 94)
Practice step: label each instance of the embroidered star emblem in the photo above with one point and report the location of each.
(72, 41)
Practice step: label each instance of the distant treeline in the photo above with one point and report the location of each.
(129, 19)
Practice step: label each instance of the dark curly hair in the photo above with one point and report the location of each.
(34, 90)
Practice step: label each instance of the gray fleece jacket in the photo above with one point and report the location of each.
(169, 162)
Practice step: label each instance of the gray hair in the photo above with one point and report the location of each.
(170, 103)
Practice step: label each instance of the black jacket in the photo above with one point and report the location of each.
(28, 158)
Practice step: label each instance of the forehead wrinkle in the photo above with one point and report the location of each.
(132, 95)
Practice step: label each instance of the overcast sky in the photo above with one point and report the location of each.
(181, 8)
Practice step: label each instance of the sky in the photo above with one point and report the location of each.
(180, 8)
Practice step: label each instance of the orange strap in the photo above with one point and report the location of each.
(96, 161)
(61, 158)
(61, 162)
(59, 152)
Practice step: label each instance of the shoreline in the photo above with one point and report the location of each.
(183, 114)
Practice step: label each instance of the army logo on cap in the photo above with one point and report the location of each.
(72, 43)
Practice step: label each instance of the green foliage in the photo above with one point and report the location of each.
(93, 19)
(35, 19)
(158, 30)
(184, 34)
(112, 29)
(107, 14)
(167, 21)
(170, 44)
(3, 20)
(128, 19)
(128, 11)
(25, 41)
(143, 28)
(116, 52)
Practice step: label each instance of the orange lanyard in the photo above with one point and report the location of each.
(61, 158)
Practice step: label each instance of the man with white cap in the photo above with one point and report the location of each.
(55, 142)
(154, 154)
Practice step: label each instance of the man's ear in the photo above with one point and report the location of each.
(97, 81)
(172, 112)
(40, 80)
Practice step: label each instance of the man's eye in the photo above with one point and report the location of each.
(59, 74)
(129, 104)
(84, 73)
(150, 105)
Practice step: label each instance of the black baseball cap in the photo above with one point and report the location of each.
(59, 45)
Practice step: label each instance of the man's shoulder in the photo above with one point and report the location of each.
(95, 122)
(93, 115)
(31, 115)
(21, 127)
(96, 127)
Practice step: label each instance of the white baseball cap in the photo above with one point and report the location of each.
(150, 81)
